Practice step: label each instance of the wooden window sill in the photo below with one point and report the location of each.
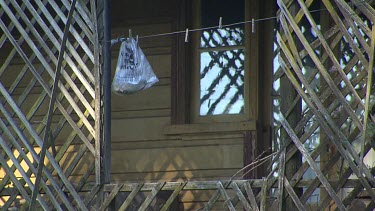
(210, 128)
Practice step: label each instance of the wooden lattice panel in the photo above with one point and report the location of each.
(223, 195)
(31, 33)
(325, 56)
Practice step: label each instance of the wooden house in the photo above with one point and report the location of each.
(260, 105)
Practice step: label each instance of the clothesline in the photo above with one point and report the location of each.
(187, 31)
(219, 26)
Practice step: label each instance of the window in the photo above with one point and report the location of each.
(221, 70)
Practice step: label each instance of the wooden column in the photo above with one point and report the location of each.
(181, 64)
(287, 96)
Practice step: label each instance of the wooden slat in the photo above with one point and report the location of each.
(312, 164)
(370, 206)
(71, 122)
(4, 126)
(21, 170)
(223, 193)
(365, 8)
(263, 192)
(312, 128)
(47, 139)
(242, 198)
(351, 15)
(69, 140)
(85, 15)
(91, 195)
(209, 128)
(31, 169)
(344, 30)
(76, 35)
(151, 196)
(173, 196)
(191, 185)
(71, 49)
(293, 195)
(85, 178)
(343, 178)
(84, 26)
(355, 15)
(251, 196)
(67, 143)
(281, 174)
(354, 193)
(129, 199)
(98, 94)
(34, 155)
(317, 61)
(110, 197)
(9, 172)
(20, 76)
(214, 198)
(47, 50)
(312, 187)
(314, 155)
(327, 118)
(365, 137)
(67, 78)
(37, 139)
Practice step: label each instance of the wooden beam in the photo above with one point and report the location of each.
(210, 128)
(198, 185)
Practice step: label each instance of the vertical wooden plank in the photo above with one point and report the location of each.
(249, 150)
(106, 144)
(287, 96)
(266, 9)
(181, 75)
(98, 94)
(263, 200)
(252, 61)
(281, 173)
(367, 101)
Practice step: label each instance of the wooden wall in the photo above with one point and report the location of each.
(141, 151)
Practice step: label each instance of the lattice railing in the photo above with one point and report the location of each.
(232, 195)
(31, 40)
(326, 51)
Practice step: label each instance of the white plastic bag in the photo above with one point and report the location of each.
(133, 71)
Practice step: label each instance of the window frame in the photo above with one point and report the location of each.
(250, 70)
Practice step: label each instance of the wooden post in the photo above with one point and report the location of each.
(106, 148)
(329, 149)
(287, 96)
(181, 61)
